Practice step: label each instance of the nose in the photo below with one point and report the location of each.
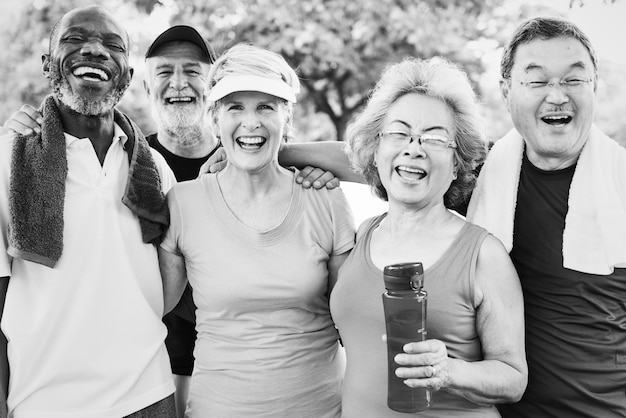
(413, 148)
(178, 80)
(96, 49)
(250, 121)
(556, 94)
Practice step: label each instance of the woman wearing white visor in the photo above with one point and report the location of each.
(261, 254)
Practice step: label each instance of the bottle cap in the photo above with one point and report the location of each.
(404, 276)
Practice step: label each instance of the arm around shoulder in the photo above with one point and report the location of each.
(327, 155)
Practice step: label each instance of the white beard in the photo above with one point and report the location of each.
(182, 123)
(89, 107)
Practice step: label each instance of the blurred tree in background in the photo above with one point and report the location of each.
(338, 47)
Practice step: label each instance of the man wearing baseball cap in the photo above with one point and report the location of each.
(177, 64)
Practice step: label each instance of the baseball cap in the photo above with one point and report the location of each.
(182, 33)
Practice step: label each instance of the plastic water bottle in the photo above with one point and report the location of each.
(404, 303)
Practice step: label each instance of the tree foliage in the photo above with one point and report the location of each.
(338, 48)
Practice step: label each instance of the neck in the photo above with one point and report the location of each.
(551, 163)
(188, 143)
(97, 128)
(255, 185)
(403, 220)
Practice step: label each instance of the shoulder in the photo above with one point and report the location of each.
(191, 188)
(6, 148)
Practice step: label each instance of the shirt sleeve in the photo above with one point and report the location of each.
(170, 240)
(343, 222)
(6, 152)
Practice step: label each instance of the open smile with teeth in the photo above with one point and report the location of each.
(90, 73)
(557, 120)
(180, 100)
(250, 142)
(410, 173)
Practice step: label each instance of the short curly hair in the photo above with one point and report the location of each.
(435, 77)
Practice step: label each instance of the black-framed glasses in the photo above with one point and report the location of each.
(543, 87)
(427, 140)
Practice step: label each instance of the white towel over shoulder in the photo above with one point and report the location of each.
(594, 240)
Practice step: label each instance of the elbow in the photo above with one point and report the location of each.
(516, 389)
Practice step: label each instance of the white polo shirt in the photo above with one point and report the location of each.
(86, 337)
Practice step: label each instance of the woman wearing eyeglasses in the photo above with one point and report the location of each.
(417, 143)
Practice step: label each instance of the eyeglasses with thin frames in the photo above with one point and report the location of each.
(427, 140)
(569, 86)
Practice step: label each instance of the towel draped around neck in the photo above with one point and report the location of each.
(37, 188)
(594, 239)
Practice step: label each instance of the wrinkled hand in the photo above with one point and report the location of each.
(215, 163)
(317, 178)
(25, 121)
(426, 365)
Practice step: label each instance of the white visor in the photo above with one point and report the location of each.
(234, 83)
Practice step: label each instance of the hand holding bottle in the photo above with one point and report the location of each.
(424, 364)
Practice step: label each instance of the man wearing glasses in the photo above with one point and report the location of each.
(553, 190)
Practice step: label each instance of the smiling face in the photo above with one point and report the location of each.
(88, 62)
(251, 126)
(176, 79)
(412, 176)
(556, 124)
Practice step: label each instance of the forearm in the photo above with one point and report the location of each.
(327, 155)
(174, 277)
(486, 382)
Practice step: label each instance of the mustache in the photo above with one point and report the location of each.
(185, 92)
(558, 108)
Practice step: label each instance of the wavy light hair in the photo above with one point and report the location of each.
(437, 78)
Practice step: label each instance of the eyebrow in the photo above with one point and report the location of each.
(580, 65)
(430, 128)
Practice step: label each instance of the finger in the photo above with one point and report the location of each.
(6, 131)
(204, 169)
(304, 176)
(18, 127)
(21, 121)
(32, 113)
(421, 372)
(323, 178)
(217, 167)
(333, 184)
(414, 360)
(418, 347)
(432, 383)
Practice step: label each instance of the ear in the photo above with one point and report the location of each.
(131, 71)
(45, 65)
(146, 87)
(505, 91)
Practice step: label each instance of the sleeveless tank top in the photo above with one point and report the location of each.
(357, 309)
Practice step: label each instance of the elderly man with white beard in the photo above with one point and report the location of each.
(177, 64)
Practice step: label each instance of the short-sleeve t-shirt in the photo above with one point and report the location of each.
(267, 346)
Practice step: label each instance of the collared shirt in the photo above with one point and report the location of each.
(86, 337)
